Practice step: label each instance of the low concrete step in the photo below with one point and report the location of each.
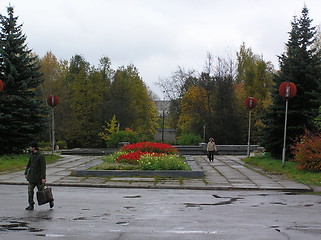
(183, 150)
(222, 149)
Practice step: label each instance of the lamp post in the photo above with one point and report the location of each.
(204, 133)
(163, 123)
(287, 90)
(250, 103)
(52, 101)
(163, 115)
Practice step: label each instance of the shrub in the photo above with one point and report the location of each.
(113, 156)
(122, 136)
(307, 151)
(62, 144)
(46, 146)
(189, 139)
(317, 120)
(150, 147)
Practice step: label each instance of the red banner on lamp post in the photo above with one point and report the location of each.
(250, 102)
(1, 85)
(287, 89)
(52, 100)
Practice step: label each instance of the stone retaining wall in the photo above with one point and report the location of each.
(196, 172)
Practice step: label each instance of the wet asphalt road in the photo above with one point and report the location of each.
(107, 213)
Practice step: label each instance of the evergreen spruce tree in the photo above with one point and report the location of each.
(300, 64)
(22, 111)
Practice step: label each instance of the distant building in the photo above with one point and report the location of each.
(167, 135)
(163, 105)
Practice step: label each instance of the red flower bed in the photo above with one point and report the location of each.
(136, 150)
(131, 157)
(150, 147)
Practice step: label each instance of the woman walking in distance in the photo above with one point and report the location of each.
(211, 148)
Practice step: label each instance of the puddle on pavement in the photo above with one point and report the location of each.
(216, 196)
(263, 194)
(306, 229)
(191, 232)
(80, 218)
(278, 203)
(18, 226)
(130, 208)
(134, 196)
(291, 193)
(276, 228)
(50, 235)
(231, 201)
(123, 223)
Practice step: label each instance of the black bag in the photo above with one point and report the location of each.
(44, 196)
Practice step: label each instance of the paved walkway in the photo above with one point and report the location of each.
(225, 173)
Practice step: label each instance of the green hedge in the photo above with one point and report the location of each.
(189, 139)
(122, 136)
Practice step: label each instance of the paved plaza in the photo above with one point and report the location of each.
(232, 201)
(225, 173)
(144, 214)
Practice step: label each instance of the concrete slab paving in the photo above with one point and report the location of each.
(144, 214)
(226, 172)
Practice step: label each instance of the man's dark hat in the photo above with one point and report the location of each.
(34, 145)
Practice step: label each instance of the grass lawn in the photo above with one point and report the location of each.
(17, 162)
(289, 170)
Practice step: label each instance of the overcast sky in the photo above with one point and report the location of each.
(157, 36)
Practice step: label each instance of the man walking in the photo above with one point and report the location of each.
(35, 173)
